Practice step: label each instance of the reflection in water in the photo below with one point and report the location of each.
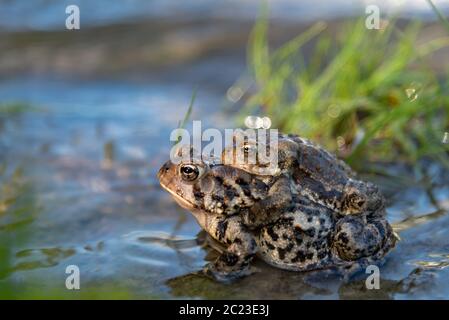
(265, 283)
(434, 264)
(108, 155)
(439, 261)
(165, 240)
(417, 281)
(414, 221)
(40, 258)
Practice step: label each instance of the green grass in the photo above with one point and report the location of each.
(13, 108)
(14, 206)
(366, 94)
(182, 123)
(439, 14)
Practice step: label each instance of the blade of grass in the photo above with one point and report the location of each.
(439, 14)
(182, 123)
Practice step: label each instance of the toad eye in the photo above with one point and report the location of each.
(189, 172)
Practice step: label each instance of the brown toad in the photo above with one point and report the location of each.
(295, 233)
(311, 172)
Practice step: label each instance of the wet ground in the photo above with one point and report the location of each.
(78, 163)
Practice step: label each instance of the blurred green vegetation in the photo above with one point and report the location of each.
(17, 203)
(38, 291)
(439, 14)
(17, 208)
(366, 94)
(12, 108)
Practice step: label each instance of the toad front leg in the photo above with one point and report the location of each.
(234, 262)
(269, 209)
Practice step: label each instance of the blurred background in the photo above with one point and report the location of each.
(86, 115)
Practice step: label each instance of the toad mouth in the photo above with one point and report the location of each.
(188, 206)
(180, 200)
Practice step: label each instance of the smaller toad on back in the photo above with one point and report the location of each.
(312, 172)
(286, 230)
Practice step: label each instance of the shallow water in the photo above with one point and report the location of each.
(89, 153)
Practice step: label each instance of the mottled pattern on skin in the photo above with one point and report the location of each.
(313, 173)
(362, 197)
(316, 173)
(242, 247)
(222, 191)
(300, 240)
(224, 201)
(330, 164)
(292, 220)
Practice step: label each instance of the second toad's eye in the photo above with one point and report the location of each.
(189, 172)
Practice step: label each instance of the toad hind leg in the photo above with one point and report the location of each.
(234, 262)
(356, 238)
